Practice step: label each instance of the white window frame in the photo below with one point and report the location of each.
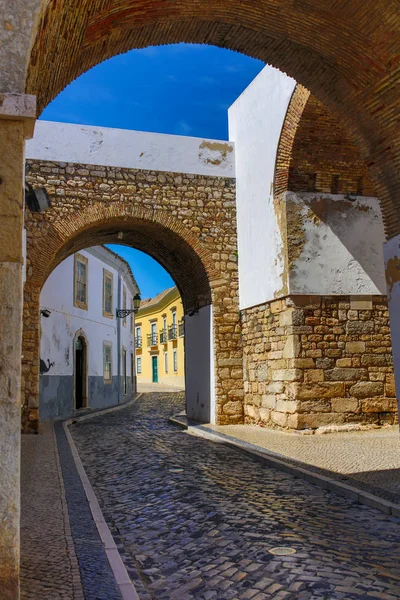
(107, 345)
(166, 362)
(108, 275)
(79, 258)
(175, 359)
(138, 365)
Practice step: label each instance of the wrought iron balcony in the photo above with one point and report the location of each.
(163, 336)
(138, 342)
(172, 332)
(152, 339)
(181, 328)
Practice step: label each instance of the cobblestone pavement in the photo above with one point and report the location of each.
(49, 568)
(195, 519)
(370, 459)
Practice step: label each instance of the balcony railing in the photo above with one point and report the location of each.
(163, 336)
(181, 328)
(138, 342)
(152, 339)
(172, 332)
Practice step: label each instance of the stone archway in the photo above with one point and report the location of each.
(94, 205)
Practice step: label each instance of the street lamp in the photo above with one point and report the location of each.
(124, 312)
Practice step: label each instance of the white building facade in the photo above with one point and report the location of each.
(86, 352)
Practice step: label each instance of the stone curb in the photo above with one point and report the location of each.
(101, 411)
(126, 587)
(271, 459)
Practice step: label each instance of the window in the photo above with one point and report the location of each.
(175, 361)
(107, 362)
(124, 380)
(81, 281)
(166, 362)
(138, 337)
(132, 317)
(124, 304)
(139, 365)
(107, 293)
(174, 318)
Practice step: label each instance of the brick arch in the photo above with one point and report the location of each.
(290, 126)
(186, 222)
(314, 149)
(345, 53)
(179, 251)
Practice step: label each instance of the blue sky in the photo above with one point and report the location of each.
(181, 89)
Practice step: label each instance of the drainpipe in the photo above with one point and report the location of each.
(119, 338)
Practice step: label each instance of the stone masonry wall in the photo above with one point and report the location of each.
(313, 361)
(187, 222)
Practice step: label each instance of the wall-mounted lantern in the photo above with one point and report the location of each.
(124, 312)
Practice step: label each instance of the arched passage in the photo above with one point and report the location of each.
(134, 215)
(343, 53)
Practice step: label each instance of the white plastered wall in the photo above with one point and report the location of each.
(64, 142)
(341, 249)
(255, 124)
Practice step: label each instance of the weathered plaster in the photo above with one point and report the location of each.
(334, 245)
(131, 149)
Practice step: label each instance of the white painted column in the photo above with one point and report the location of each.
(391, 252)
(199, 378)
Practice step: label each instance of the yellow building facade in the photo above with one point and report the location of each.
(160, 340)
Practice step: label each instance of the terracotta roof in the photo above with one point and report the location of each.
(153, 301)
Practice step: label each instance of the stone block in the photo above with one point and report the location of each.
(377, 405)
(261, 373)
(313, 375)
(301, 363)
(287, 375)
(265, 415)
(343, 405)
(252, 412)
(390, 389)
(276, 306)
(292, 347)
(286, 406)
(361, 302)
(360, 327)
(373, 360)
(324, 363)
(342, 374)
(344, 362)
(279, 418)
(313, 391)
(315, 420)
(366, 389)
(232, 408)
(355, 347)
(311, 406)
(268, 401)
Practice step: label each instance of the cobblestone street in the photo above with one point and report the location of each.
(196, 519)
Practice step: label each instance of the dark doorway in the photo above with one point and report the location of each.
(80, 373)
